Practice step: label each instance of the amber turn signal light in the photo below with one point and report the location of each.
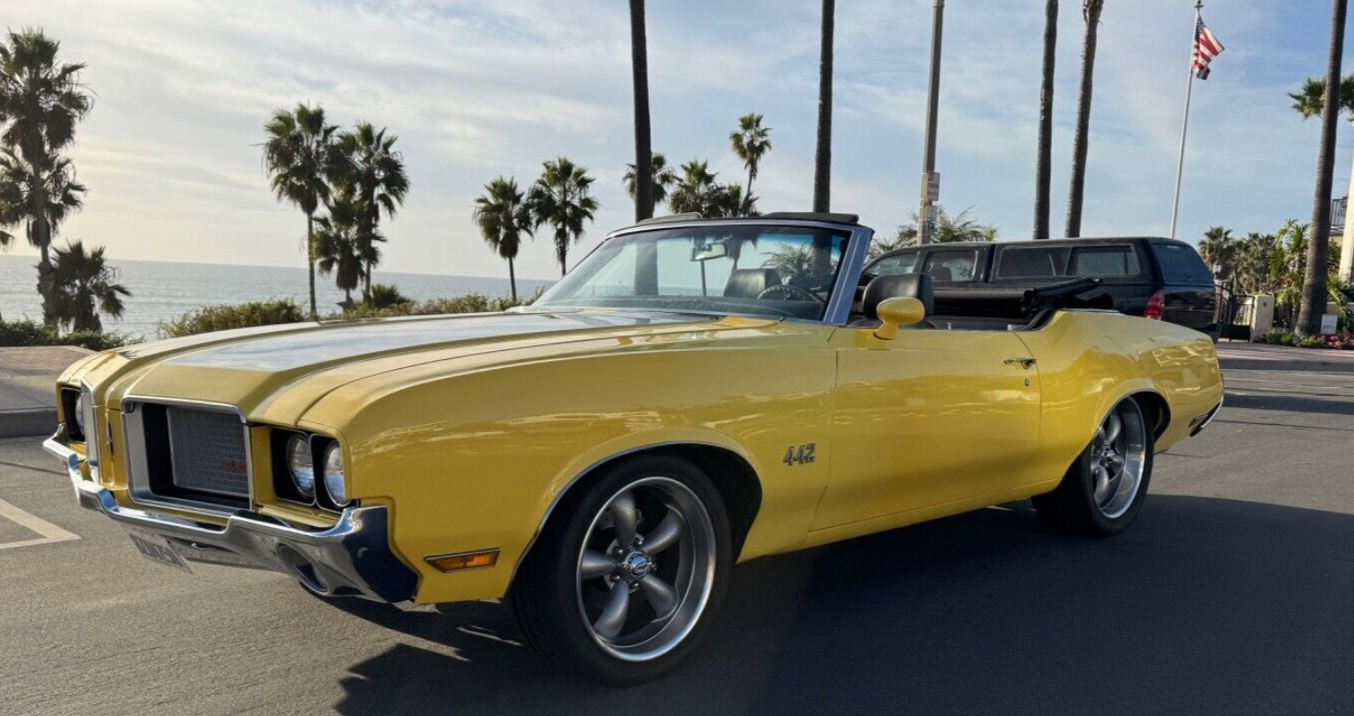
(465, 560)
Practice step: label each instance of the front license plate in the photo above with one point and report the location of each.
(157, 549)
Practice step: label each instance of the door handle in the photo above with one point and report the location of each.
(1025, 362)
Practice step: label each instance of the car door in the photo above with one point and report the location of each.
(930, 417)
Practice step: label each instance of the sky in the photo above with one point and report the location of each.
(475, 89)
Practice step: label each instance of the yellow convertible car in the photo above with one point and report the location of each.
(695, 393)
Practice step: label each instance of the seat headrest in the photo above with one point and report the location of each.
(907, 285)
(749, 283)
(941, 273)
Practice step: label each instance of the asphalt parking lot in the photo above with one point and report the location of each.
(1230, 595)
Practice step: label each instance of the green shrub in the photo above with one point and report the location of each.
(385, 295)
(267, 313)
(1278, 338)
(95, 341)
(223, 317)
(28, 333)
(1311, 343)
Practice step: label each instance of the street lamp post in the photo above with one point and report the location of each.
(930, 181)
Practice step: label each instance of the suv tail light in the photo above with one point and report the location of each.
(1156, 305)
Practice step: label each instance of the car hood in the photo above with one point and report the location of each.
(274, 374)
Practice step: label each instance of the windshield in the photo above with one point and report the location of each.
(774, 271)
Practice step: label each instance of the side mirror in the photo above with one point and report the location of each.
(896, 312)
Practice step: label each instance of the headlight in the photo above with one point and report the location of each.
(79, 416)
(333, 475)
(301, 466)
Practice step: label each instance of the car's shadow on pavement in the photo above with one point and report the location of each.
(1205, 606)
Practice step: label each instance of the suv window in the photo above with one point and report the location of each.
(895, 264)
(1103, 261)
(1181, 264)
(1032, 262)
(951, 265)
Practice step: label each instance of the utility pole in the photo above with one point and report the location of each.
(930, 181)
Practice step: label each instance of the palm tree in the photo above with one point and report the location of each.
(697, 191)
(1090, 11)
(639, 67)
(61, 193)
(694, 191)
(1218, 249)
(1043, 166)
(822, 157)
(1253, 262)
(82, 280)
(374, 171)
(949, 228)
(41, 99)
(751, 141)
(560, 198)
(300, 156)
(1315, 290)
(663, 178)
(1310, 102)
(503, 216)
(338, 244)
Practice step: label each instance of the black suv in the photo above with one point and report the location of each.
(1156, 278)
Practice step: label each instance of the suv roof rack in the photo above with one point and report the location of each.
(799, 215)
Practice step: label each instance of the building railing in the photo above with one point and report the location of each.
(1337, 214)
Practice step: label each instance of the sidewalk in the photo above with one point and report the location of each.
(28, 387)
(1237, 354)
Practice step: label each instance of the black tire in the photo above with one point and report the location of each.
(1072, 507)
(548, 595)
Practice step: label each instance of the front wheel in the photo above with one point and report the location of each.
(622, 589)
(1104, 489)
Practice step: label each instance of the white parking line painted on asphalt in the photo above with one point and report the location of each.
(50, 532)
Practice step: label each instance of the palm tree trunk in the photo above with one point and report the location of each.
(1314, 289)
(562, 250)
(41, 235)
(1082, 140)
(512, 281)
(310, 260)
(1043, 165)
(639, 66)
(751, 176)
(822, 158)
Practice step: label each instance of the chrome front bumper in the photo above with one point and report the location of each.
(352, 558)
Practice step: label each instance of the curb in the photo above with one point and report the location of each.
(27, 422)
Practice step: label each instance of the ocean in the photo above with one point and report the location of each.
(162, 290)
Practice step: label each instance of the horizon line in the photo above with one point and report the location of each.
(114, 262)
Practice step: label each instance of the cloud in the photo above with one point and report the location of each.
(478, 88)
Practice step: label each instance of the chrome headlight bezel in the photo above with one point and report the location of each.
(300, 465)
(79, 414)
(332, 473)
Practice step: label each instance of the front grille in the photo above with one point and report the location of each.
(207, 451)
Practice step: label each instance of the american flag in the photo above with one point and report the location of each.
(1206, 47)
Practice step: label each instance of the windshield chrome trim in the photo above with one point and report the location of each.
(838, 309)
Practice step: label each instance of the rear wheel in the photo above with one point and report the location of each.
(1104, 489)
(623, 588)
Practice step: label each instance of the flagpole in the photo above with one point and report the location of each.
(1184, 128)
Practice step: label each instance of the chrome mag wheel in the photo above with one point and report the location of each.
(646, 568)
(1118, 457)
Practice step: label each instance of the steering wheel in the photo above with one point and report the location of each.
(789, 292)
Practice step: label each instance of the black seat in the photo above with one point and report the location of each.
(749, 283)
(908, 285)
(941, 273)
